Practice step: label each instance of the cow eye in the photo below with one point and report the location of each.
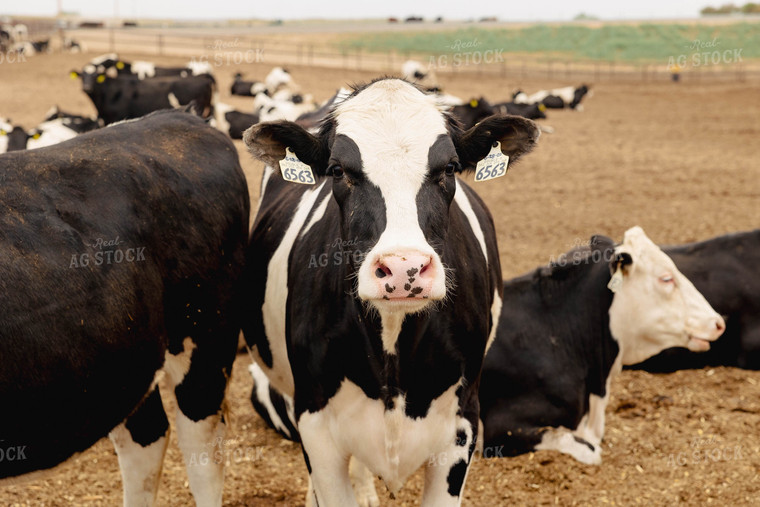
(335, 170)
(667, 279)
(452, 167)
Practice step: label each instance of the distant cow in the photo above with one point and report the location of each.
(122, 254)
(380, 343)
(420, 74)
(111, 65)
(75, 122)
(472, 112)
(724, 270)
(563, 334)
(12, 137)
(534, 111)
(247, 88)
(232, 122)
(557, 98)
(123, 97)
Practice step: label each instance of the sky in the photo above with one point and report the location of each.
(505, 10)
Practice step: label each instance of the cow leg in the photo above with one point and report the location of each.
(140, 443)
(446, 472)
(328, 467)
(199, 382)
(364, 484)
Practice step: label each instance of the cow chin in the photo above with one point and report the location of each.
(404, 306)
(697, 344)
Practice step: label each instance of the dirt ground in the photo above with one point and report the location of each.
(680, 160)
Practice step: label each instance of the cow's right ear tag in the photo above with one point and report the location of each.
(616, 282)
(294, 170)
(494, 165)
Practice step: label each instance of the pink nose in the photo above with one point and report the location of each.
(404, 276)
(720, 326)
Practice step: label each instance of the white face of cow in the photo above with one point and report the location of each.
(655, 306)
(392, 155)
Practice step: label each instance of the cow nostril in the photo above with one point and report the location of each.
(720, 325)
(382, 271)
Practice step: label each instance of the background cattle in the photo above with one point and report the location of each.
(724, 270)
(381, 353)
(557, 98)
(566, 329)
(108, 279)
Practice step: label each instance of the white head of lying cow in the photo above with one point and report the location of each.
(655, 306)
(392, 155)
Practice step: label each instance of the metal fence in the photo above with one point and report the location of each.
(222, 48)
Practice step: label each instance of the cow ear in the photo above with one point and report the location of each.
(621, 261)
(517, 136)
(267, 142)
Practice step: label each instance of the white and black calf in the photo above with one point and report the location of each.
(122, 256)
(724, 270)
(563, 334)
(558, 98)
(381, 349)
(232, 122)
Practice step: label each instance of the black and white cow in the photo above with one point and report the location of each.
(232, 122)
(123, 97)
(558, 98)
(109, 279)
(111, 65)
(247, 88)
(472, 112)
(535, 111)
(77, 123)
(380, 342)
(724, 270)
(12, 137)
(563, 334)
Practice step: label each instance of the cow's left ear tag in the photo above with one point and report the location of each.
(494, 165)
(294, 170)
(616, 282)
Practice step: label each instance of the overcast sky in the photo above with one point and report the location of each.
(506, 10)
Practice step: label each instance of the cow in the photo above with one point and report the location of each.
(112, 281)
(373, 292)
(247, 88)
(111, 65)
(232, 122)
(564, 332)
(535, 111)
(12, 137)
(311, 119)
(77, 123)
(471, 113)
(416, 72)
(282, 105)
(121, 97)
(724, 270)
(557, 98)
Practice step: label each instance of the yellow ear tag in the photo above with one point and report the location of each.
(119, 65)
(494, 165)
(616, 282)
(73, 75)
(294, 170)
(3, 133)
(36, 135)
(101, 78)
(542, 107)
(474, 103)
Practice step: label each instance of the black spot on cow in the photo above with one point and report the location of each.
(456, 477)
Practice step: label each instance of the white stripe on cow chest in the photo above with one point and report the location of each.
(392, 445)
(464, 204)
(276, 297)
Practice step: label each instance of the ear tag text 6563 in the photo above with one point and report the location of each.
(294, 170)
(494, 165)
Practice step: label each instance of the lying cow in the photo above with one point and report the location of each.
(557, 98)
(724, 270)
(232, 122)
(382, 350)
(563, 334)
(536, 111)
(247, 88)
(109, 279)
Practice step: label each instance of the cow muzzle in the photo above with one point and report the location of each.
(702, 333)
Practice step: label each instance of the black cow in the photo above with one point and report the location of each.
(563, 334)
(471, 113)
(374, 290)
(122, 255)
(247, 88)
(12, 137)
(724, 270)
(531, 111)
(125, 96)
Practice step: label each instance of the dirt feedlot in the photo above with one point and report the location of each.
(681, 160)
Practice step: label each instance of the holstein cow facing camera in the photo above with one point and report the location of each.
(563, 334)
(122, 256)
(724, 270)
(382, 349)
